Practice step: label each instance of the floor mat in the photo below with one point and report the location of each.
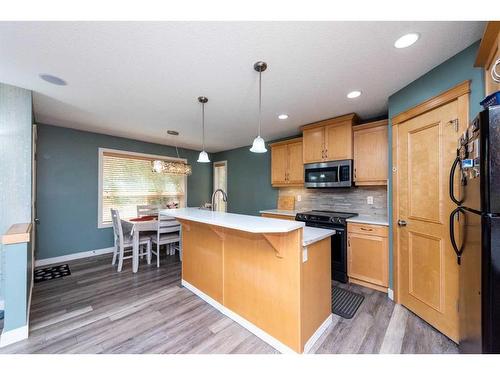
(345, 303)
(49, 273)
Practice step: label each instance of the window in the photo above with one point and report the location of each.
(220, 182)
(126, 180)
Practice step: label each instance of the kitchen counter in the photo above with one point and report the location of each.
(246, 223)
(256, 271)
(280, 212)
(367, 219)
(312, 235)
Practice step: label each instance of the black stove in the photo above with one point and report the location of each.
(317, 216)
(337, 222)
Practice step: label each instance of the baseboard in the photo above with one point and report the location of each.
(321, 329)
(264, 336)
(67, 258)
(14, 335)
(390, 293)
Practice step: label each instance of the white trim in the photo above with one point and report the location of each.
(224, 162)
(66, 258)
(390, 293)
(316, 335)
(14, 335)
(2, 304)
(101, 151)
(276, 344)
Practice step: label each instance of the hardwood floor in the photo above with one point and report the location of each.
(98, 310)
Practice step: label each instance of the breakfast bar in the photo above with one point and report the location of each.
(271, 276)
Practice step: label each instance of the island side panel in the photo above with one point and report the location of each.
(262, 285)
(316, 283)
(202, 250)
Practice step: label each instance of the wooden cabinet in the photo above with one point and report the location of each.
(328, 140)
(371, 153)
(287, 168)
(488, 55)
(368, 255)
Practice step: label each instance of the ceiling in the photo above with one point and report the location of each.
(138, 79)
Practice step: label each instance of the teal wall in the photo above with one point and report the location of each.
(15, 171)
(67, 191)
(450, 73)
(248, 180)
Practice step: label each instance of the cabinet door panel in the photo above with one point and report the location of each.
(370, 156)
(338, 142)
(313, 143)
(295, 164)
(279, 155)
(368, 259)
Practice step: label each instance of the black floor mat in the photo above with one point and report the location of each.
(50, 273)
(345, 303)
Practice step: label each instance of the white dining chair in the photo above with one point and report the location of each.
(147, 210)
(168, 233)
(124, 243)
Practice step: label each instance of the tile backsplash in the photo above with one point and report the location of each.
(339, 199)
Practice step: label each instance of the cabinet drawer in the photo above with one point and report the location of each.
(368, 229)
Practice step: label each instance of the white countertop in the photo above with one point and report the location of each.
(366, 219)
(245, 223)
(280, 212)
(312, 235)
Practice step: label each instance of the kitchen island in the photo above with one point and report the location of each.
(271, 276)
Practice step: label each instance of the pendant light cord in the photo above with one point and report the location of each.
(203, 124)
(260, 101)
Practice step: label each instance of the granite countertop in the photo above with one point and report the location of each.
(246, 223)
(369, 219)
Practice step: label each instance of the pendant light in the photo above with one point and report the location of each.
(203, 158)
(258, 144)
(171, 167)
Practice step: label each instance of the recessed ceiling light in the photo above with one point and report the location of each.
(53, 79)
(283, 116)
(354, 94)
(406, 40)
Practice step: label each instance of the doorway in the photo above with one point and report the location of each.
(220, 182)
(424, 148)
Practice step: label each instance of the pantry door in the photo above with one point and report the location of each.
(428, 273)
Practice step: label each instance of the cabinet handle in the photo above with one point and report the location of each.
(367, 229)
(354, 174)
(326, 153)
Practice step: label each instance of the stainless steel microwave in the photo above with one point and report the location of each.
(328, 175)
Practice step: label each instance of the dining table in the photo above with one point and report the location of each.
(135, 226)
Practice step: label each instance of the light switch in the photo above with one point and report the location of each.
(369, 200)
(299, 198)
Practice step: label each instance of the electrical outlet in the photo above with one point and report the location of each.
(369, 200)
(304, 255)
(299, 198)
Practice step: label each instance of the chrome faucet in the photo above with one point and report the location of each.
(224, 197)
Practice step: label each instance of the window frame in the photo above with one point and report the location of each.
(101, 151)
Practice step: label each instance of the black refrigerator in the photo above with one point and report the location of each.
(475, 232)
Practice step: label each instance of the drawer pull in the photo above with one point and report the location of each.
(367, 229)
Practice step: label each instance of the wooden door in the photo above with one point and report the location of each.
(370, 155)
(427, 265)
(368, 258)
(295, 163)
(279, 155)
(338, 141)
(313, 144)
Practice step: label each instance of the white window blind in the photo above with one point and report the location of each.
(128, 181)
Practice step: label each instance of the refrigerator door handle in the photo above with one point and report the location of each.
(458, 251)
(452, 181)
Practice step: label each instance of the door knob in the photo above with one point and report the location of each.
(402, 223)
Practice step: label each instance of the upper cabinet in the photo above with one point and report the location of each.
(328, 140)
(371, 153)
(287, 167)
(488, 57)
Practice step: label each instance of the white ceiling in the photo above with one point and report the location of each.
(138, 79)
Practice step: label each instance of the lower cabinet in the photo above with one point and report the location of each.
(368, 255)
